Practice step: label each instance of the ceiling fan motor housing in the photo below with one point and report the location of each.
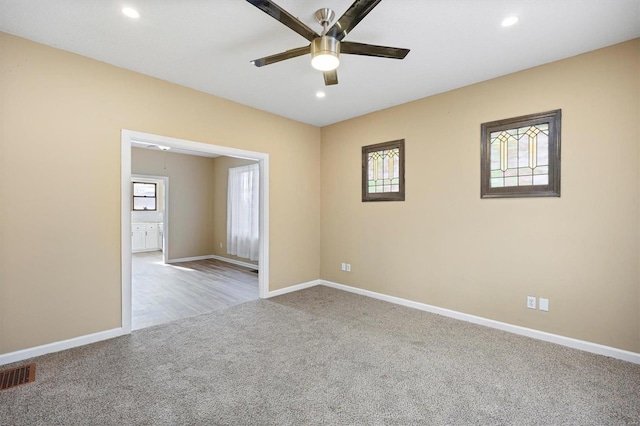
(325, 45)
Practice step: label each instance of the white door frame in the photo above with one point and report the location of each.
(129, 136)
(165, 208)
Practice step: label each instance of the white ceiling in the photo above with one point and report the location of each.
(207, 45)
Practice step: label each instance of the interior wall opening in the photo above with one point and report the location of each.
(167, 259)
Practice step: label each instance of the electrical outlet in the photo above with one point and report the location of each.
(343, 266)
(544, 304)
(220, 245)
(531, 302)
(348, 267)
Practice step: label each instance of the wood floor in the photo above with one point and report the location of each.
(162, 293)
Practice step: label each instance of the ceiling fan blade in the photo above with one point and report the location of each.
(330, 78)
(358, 10)
(272, 9)
(267, 60)
(372, 50)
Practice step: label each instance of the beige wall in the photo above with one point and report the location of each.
(60, 122)
(191, 189)
(221, 177)
(61, 117)
(445, 246)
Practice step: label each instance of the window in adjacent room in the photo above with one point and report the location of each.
(243, 212)
(521, 156)
(144, 196)
(383, 171)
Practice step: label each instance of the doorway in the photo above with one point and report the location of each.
(149, 226)
(191, 148)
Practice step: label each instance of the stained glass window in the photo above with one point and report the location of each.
(383, 172)
(521, 156)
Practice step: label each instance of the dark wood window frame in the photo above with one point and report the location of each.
(383, 196)
(155, 196)
(552, 189)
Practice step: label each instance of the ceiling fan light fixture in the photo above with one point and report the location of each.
(325, 62)
(325, 53)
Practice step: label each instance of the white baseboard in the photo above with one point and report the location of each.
(59, 346)
(235, 262)
(189, 259)
(293, 288)
(109, 334)
(213, 256)
(523, 331)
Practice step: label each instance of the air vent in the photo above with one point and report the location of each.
(17, 376)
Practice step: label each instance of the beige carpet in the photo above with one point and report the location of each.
(324, 357)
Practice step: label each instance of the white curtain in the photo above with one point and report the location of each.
(243, 213)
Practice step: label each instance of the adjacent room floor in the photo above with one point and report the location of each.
(168, 292)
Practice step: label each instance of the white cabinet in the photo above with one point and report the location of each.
(138, 236)
(151, 237)
(146, 236)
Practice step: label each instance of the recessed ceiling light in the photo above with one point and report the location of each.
(511, 20)
(320, 95)
(130, 12)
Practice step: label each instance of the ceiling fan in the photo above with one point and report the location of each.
(325, 48)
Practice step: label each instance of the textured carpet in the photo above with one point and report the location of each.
(322, 356)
